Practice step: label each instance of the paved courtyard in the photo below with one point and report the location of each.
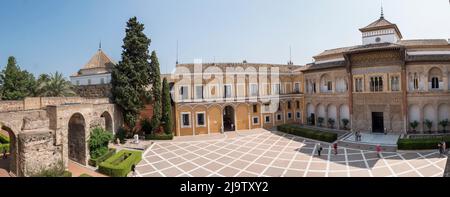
(266, 154)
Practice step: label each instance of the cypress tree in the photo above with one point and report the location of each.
(155, 79)
(15, 83)
(167, 108)
(130, 76)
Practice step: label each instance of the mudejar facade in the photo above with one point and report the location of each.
(386, 84)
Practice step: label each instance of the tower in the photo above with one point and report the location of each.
(380, 31)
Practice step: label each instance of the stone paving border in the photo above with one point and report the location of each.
(273, 154)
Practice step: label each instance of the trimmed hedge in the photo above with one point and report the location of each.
(159, 137)
(96, 161)
(119, 165)
(4, 146)
(4, 139)
(421, 143)
(308, 133)
(85, 175)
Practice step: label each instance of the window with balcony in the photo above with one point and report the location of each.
(297, 88)
(276, 89)
(253, 89)
(199, 92)
(359, 85)
(184, 92)
(416, 82)
(227, 91)
(329, 86)
(289, 104)
(434, 83)
(298, 104)
(255, 108)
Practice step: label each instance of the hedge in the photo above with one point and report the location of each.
(4, 139)
(159, 137)
(85, 175)
(421, 144)
(308, 133)
(4, 146)
(96, 161)
(119, 165)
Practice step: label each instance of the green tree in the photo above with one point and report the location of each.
(155, 80)
(98, 142)
(166, 108)
(15, 83)
(130, 77)
(54, 86)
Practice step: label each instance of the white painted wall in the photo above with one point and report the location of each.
(344, 112)
(310, 109)
(95, 79)
(321, 111)
(332, 112)
(414, 113)
(444, 112)
(430, 114)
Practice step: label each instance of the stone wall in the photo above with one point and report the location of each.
(94, 91)
(37, 152)
(33, 103)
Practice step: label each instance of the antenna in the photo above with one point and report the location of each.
(290, 56)
(100, 45)
(177, 52)
(382, 11)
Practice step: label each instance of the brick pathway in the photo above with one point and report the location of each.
(269, 154)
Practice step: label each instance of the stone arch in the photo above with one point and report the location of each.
(414, 113)
(429, 113)
(77, 138)
(310, 109)
(108, 121)
(443, 112)
(321, 111)
(242, 122)
(12, 164)
(215, 118)
(344, 113)
(332, 111)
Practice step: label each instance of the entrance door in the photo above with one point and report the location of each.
(228, 119)
(377, 122)
(313, 119)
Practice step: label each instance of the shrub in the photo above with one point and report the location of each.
(308, 133)
(428, 124)
(444, 124)
(146, 126)
(85, 175)
(414, 125)
(121, 135)
(98, 142)
(163, 136)
(3, 147)
(119, 165)
(320, 121)
(95, 162)
(4, 139)
(331, 122)
(421, 143)
(345, 121)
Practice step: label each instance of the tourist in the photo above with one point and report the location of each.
(444, 147)
(335, 146)
(378, 149)
(440, 149)
(133, 169)
(356, 135)
(319, 149)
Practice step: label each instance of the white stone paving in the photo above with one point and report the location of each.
(267, 154)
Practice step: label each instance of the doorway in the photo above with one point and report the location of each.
(228, 119)
(377, 122)
(313, 119)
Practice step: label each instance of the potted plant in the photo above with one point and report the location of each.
(414, 125)
(331, 122)
(345, 121)
(428, 124)
(320, 121)
(444, 124)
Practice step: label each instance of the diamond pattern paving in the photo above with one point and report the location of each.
(271, 154)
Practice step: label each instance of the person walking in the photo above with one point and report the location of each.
(444, 147)
(319, 149)
(133, 169)
(440, 149)
(378, 149)
(335, 146)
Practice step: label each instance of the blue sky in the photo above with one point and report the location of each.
(61, 35)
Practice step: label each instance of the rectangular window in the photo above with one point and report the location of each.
(276, 89)
(289, 104)
(298, 104)
(329, 86)
(227, 91)
(253, 89)
(186, 120)
(279, 106)
(267, 107)
(289, 114)
(297, 88)
(184, 92)
(201, 119)
(199, 92)
(255, 120)
(279, 117)
(266, 119)
(255, 108)
(298, 115)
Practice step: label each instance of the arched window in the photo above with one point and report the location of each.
(416, 82)
(434, 83)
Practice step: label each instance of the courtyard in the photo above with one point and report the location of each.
(260, 153)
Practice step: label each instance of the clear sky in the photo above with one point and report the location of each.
(61, 35)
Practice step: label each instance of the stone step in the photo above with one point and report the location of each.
(366, 146)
